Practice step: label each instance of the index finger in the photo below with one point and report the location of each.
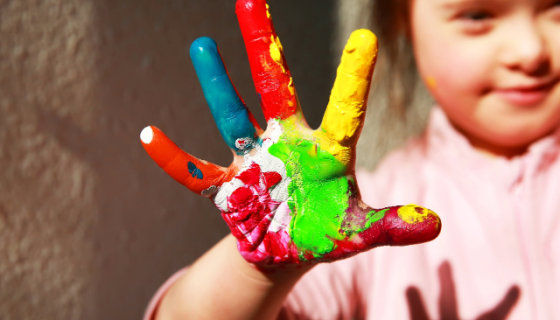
(271, 75)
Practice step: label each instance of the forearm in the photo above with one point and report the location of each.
(222, 285)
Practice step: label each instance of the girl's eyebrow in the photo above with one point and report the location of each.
(460, 4)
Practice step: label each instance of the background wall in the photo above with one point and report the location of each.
(89, 225)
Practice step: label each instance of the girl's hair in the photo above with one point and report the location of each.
(390, 21)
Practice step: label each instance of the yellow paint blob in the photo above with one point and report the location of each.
(342, 153)
(267, 12)
(276, 51)
(291, 86)
(345, 112)
(412, 213)
(431, 82)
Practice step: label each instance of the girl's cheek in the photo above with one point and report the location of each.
(453, 72)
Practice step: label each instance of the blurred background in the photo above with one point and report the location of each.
(90, 227)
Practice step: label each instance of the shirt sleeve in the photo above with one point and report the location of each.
(156, 299)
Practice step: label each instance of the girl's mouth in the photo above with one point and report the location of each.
(526, 95)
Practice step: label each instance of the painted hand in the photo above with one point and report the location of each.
(290, 195)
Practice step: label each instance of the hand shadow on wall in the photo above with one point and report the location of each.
(448, 309)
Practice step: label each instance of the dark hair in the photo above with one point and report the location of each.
(390, 19)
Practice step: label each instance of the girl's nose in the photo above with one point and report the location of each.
(527, 50)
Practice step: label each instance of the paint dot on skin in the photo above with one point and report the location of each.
(431, 82)
(267, 12)
(147, 135)
(412, 213)
(276, 51)
(195, 171)
(244, 144)
(210, 191)
(291, 87)
(275, 130)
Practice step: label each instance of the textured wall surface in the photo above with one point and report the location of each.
(89, 226)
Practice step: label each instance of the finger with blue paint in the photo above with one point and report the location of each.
(235, 122)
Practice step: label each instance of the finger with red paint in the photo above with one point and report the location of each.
(271, 75)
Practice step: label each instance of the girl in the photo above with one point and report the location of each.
(487, 163)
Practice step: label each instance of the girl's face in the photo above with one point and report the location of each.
(493, 66)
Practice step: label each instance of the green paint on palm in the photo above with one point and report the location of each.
(319, 193)
(372, 217)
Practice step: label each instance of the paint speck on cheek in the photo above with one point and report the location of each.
(431, 82)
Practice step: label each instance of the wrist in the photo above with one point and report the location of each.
(267, 275)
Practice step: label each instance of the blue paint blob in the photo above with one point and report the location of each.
(194, 171)
(229, 111)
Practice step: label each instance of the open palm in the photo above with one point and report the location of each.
(290, 196)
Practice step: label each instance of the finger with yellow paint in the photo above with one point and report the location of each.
(344, 117)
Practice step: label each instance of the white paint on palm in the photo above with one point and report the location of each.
(267, 163)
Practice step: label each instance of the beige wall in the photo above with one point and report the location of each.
(89, 226)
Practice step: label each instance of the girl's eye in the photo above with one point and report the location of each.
(475, 22)
(476, 15)
(555, 11)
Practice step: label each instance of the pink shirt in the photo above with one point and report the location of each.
(498, 253)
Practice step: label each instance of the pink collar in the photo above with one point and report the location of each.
(445, 143)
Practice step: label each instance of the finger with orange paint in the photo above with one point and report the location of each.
(199, 176)
(271, 75)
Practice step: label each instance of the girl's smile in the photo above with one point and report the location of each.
(493, 66)
(526, 95)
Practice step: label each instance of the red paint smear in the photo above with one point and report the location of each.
(271, 178)
(175, 162)
(271, 82)
(250, 212)
(250, 176)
